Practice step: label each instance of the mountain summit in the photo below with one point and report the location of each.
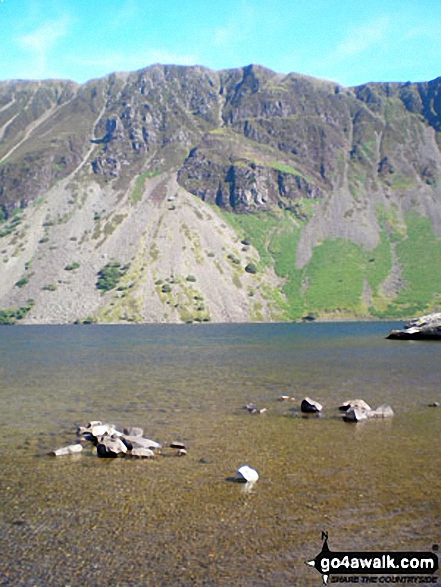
(183, 194)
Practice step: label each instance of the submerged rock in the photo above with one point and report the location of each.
(358, 414)
(383, 411)
(67, 450)
(309, 406)
(424, 327)
(355, 415)
(253, 409)
(133, 431)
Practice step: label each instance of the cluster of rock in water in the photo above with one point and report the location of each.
(355, 410)
(112, 443)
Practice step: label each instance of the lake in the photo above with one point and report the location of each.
(76, 520)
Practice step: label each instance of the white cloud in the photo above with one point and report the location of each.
(40, 42)
(98, 66)
(363, 38)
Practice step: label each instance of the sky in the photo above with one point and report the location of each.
(350, 42)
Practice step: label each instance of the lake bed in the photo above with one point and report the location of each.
(181, 521)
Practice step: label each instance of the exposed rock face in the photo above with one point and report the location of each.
(110, 169)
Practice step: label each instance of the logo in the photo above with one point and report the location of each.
(361, 565)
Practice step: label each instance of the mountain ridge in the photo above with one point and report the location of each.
(308, 173)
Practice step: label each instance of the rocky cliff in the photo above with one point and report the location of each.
(182, 194)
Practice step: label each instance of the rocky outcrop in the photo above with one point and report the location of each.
(426, 327)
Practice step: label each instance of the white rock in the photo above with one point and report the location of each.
(94, 423)
(67, 450)
(246, 473)
(101, 429)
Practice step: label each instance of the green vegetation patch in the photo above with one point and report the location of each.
(335, 276)
(109, 276)
(139, 187)
(420, 257)
(11, 315)
(255, 229)
(72, 266)
(284, 245)
(379, 262)
(22, 282)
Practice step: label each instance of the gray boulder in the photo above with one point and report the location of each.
(354, 403)
(310, 406)
(139, 442)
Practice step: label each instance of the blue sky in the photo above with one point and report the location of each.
(347, 41)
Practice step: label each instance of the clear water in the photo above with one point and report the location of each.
(181, 521)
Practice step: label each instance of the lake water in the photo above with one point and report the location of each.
(171, 521)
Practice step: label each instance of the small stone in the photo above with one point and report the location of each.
(178, 445)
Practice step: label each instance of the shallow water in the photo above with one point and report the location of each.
(181, 521)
